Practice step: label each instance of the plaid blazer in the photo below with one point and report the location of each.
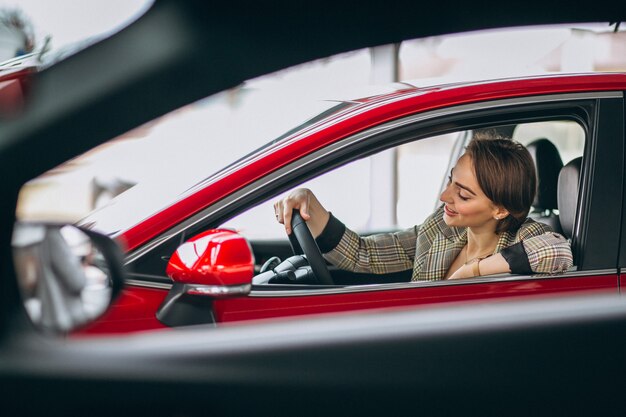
(430, 248)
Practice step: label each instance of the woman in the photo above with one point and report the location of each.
(480, 229)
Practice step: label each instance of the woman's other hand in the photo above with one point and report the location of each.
(465, 271)
(311, 210)
(494, 264)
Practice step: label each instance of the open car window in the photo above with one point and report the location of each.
(416, 172)
(399, 187)
(387, 191)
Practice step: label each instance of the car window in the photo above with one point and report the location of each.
(120, 183)
(566, 135)
(391, 190)
(400, 187)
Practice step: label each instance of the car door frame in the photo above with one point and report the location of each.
(594, 272)
(602, 112)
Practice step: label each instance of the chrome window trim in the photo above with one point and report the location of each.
(395, 286)
(425, 284)
(219, 291)
(322, 153)
(148, 284)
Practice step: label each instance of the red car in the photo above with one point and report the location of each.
(192, 262)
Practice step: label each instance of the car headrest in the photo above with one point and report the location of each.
(548, 165)
(568, 195)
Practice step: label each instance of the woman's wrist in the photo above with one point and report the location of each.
(476, 268)
(494, 264)
(318, 221)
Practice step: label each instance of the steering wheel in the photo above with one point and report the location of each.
(313, 254)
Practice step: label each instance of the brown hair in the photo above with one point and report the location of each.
(506, 173)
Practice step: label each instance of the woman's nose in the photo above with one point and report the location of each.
(445, 195)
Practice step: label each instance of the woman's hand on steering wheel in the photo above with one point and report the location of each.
(311, 210)
(308, 225)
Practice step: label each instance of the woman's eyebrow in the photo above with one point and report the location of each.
(465, 187)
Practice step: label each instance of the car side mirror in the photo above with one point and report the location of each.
(217, 263)
(67, 275)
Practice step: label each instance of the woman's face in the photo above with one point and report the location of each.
(465, 203)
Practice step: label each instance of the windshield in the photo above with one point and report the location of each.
(137, 174)
(187, 149)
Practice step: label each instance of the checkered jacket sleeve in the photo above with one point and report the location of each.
(377, 254)
(430, 248)
(548, 252)
(386, 252)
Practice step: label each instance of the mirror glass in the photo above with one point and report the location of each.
(63, 276)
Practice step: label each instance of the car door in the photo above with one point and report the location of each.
(594, 238)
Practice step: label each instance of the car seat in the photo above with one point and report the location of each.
(568, 195)
(548, 165)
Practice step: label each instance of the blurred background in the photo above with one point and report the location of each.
(150, 167)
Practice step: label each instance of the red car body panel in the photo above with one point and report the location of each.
(250, 308)
(14, 84)
(133, 310)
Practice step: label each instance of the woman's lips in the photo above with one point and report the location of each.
(449, 211)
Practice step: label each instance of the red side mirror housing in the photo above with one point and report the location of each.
(215, 258)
